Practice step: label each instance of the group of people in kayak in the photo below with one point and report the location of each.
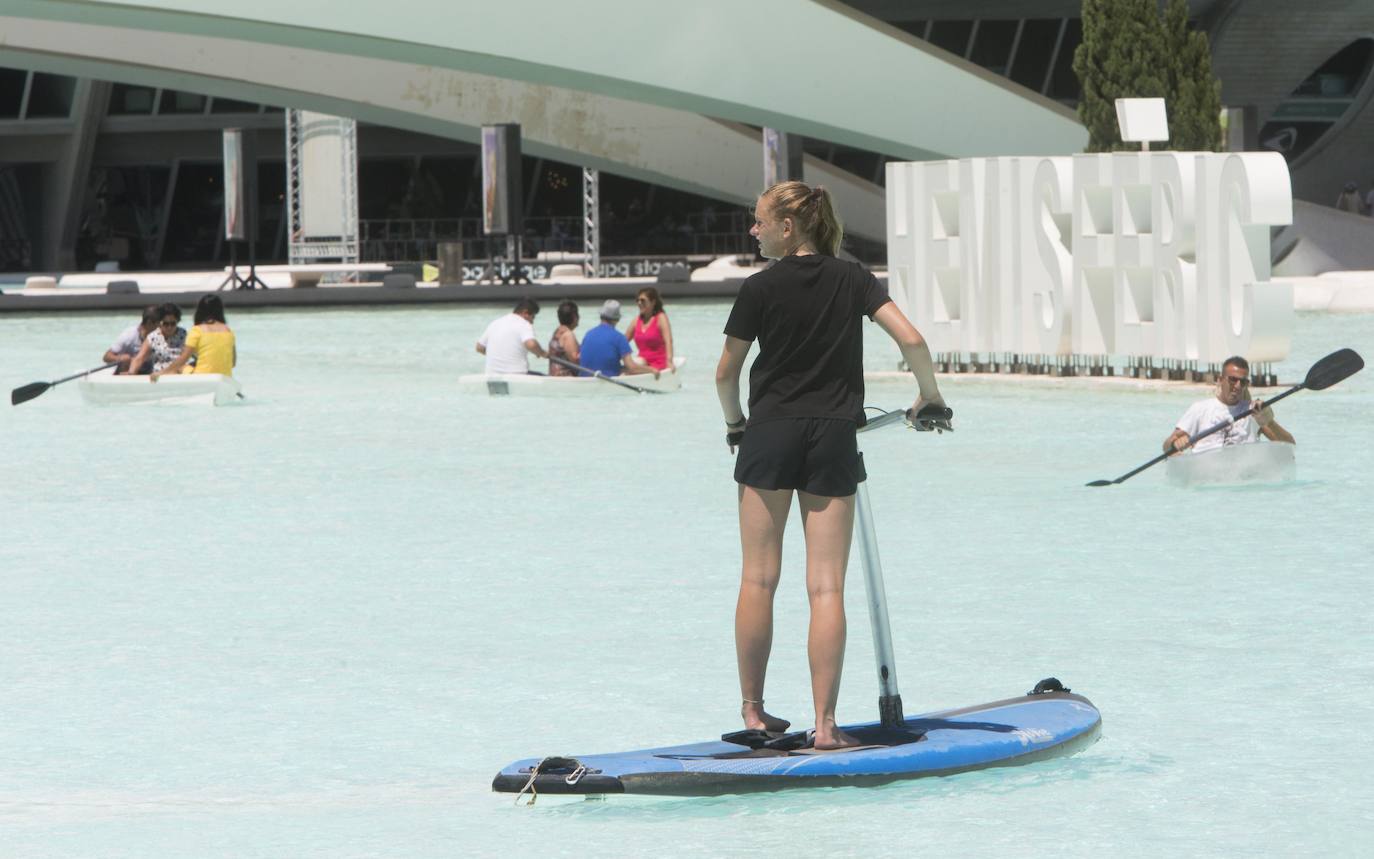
(158, 345)
(509, 341)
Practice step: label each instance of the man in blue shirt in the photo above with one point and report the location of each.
(605, 350)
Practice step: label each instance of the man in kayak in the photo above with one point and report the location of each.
(509, 341)
(127, 346)
(1250, 418)
(606, 351)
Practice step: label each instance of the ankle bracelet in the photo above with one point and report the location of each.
(752, 701)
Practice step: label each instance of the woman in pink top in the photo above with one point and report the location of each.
(650, 331)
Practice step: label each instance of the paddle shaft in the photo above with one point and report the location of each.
(84, 373)
(597, 374)
(889, 697)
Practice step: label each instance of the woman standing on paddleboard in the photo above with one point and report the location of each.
(806, 394)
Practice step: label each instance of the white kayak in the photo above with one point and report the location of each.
(1235, 464)
(506, 384)
(107, 389)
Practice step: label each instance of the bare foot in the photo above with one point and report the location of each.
(755, 719)
(833, 738)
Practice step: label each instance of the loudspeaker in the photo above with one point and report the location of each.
(240, 184)
(502, 194)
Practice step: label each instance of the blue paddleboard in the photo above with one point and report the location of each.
(1010, 732)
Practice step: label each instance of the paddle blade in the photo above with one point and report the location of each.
(1338, 366)
(28, 392)
(1101, 483)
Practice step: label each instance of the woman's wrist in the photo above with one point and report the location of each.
(736, 424)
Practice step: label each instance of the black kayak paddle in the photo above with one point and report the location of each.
(597, 374)
(34, 389)
(1339, 365)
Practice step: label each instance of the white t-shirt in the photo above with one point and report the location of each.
(129, 342)
(1205, 414)
(504, 341)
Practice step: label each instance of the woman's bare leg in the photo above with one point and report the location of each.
(762, 518)
(829, 527)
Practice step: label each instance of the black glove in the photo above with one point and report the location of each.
(734, 434)
(931, 417)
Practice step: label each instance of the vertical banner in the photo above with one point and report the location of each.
(502, 197)
(235, 215)
(324, 172)
(782, 157)
(240, 185)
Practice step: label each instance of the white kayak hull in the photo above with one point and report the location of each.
(1234, 465)
(107, 389)
(506, 385)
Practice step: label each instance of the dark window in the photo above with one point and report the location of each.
(196, 218)
(271, 108)
(131, 100)
(50, 96)
(992, 45)
(271, 207)
(11, 92)
(1064, 83)
(1035, 51)
(1319, 102)
(1341, 75)
(175, 101)
(381, 187)
(230, 105)
(951, 35)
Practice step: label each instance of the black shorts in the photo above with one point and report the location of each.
(815, 455)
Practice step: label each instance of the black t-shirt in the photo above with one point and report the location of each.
(806, 313)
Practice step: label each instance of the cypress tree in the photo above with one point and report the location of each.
(1193, 104)
(1129, 52)
(1119, 57)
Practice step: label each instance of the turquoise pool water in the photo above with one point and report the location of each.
(317, 624)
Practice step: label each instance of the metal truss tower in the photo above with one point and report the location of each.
(591, 222)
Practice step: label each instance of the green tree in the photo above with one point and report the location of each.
(1128, 51)
(1193, 104)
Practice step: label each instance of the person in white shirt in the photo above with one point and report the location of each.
(127, 347)
(509, 341)
(1249, 418)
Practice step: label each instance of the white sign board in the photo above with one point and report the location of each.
(1142, 120)
(1153, 255)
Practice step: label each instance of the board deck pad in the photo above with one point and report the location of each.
(1009, 732)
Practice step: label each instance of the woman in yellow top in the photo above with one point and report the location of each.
(211, 342)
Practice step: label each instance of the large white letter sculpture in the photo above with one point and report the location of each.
(1156, 256)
